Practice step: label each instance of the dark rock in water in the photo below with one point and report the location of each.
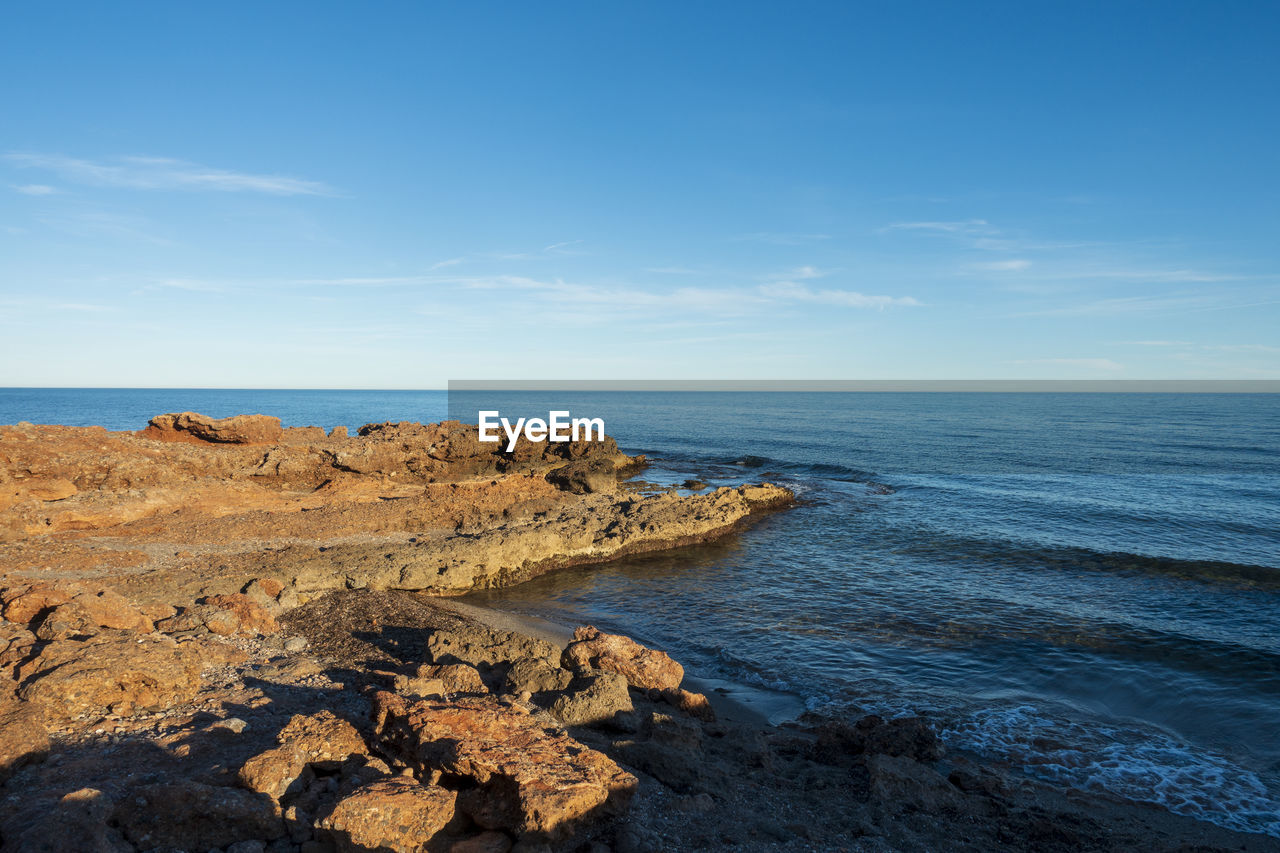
(898, 782)
(694, 485)
(913, 737)
(585, 476)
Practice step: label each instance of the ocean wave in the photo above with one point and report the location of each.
(1140, 766)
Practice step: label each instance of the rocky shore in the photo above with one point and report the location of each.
(229, 636)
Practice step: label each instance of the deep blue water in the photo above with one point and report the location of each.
(1085, 586)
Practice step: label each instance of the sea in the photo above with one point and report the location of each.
(1084, 587)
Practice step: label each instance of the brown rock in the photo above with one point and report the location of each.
(455, 677)
(585, 476)
(51, 489)
(109, 609)
(643, 667)
(16, 643)
(409, 685)
(23, 738)
(24, 605)
(224, 623)
(66, 620)
(263, 589)
(482, 647)
(189, 619)
(693, 704)
(117, 670)
(528, 779)
(535, 675)
(593, 699)
(253, 617)
(186, 815)
(196, 428)
(396, 815)
(322, 739)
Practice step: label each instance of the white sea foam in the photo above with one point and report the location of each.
(1142, 766)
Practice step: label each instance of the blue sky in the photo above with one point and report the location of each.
(392, 195)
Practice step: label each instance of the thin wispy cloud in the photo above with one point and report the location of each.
(35, 189)
(963, 226)
(790, 291)
(163, 173)
(1012, 265)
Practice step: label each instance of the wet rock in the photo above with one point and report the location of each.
(643, 667)
(593, 699)
(196, 428)
(898, 782)
(23, 738)
(913, 737)
(396, 815)
(527, 779)
(535, 675)
(116, 670)
(187, 815)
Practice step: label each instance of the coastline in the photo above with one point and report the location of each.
(207, 644)
(732, 701)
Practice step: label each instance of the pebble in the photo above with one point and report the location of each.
(233, 724)
(295, 645)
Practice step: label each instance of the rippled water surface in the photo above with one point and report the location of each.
(1085, 586)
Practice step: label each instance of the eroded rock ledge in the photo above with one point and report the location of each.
(204, 505)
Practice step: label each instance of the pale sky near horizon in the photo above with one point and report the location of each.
(392, 195)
